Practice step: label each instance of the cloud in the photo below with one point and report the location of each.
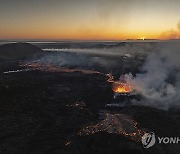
(159, 80)
(172, 33)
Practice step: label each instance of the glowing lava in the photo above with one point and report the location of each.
(112, 123)
(41, 66)
(120, 87)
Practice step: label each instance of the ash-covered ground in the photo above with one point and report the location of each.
(60, 100)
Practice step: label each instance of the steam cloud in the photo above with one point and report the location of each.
(159, 82)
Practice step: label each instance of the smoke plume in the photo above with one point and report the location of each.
(159, 80)
(172, 33)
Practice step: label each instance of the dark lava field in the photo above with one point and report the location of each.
(56, 102)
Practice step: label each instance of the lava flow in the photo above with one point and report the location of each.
(40, 66)
(115, 124)
(119, 86)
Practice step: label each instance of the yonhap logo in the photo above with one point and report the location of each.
(148, 140)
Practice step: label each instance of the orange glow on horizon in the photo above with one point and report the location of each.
(81, 36)
(74, 33)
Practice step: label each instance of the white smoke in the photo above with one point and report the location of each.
(159, 80)
(93, 57)
(127, 48)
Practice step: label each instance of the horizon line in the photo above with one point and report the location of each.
(85, 40)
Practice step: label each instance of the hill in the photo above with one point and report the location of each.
(18, 50)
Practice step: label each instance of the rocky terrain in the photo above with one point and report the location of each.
(44, 111)
(12, 51)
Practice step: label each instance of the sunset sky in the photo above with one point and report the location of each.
(89, 19)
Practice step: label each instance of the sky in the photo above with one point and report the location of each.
(89, 19)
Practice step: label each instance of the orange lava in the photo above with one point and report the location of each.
(54, 68)
(120, 87)
(113, 123)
